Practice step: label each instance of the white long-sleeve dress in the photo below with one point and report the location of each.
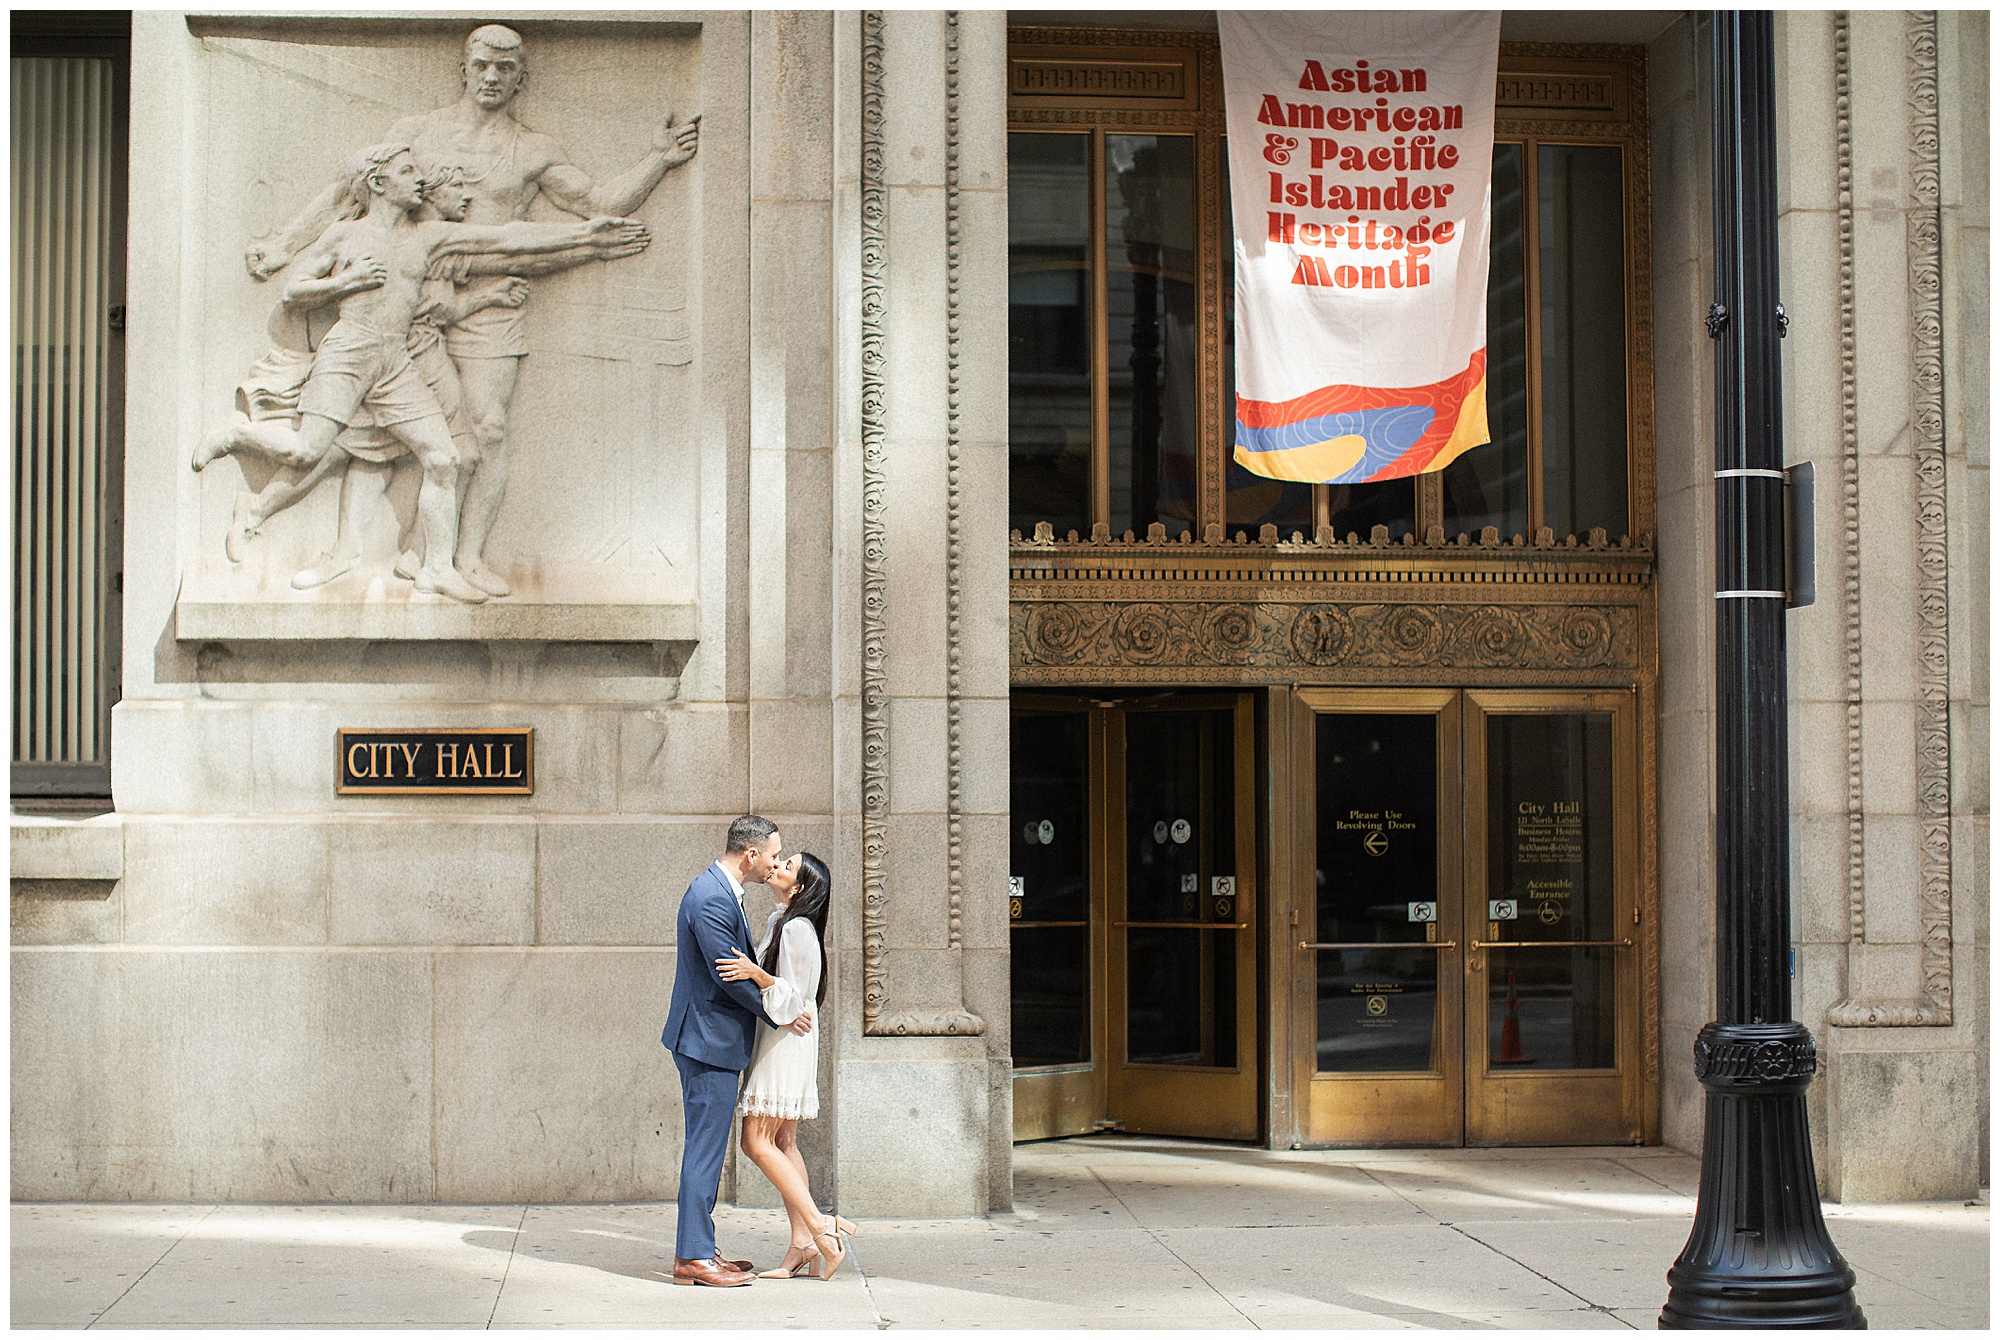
(783, 1080)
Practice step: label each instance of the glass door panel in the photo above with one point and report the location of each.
(1182, 964)
(1377, 891)
(1553, 925)
(1384, 871)
(1049, 901)
(1057, 1089)
(1549, 836)
(1180, 833)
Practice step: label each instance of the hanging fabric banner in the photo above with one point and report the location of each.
(1360, 153)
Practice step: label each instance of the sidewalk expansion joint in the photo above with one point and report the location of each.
(1640, 1172)
(512, 1248)
(1445, 1223)
(882, 1323)
(149, 1269)
(1587, 1304)
(1153, 1233)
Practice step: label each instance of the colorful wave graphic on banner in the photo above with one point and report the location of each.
(1364, 434)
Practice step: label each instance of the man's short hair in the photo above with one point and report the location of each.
(748, 831)
(496, 37)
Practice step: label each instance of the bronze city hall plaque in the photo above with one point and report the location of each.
(487, 761)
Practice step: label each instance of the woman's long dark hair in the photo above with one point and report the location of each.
(810, 897)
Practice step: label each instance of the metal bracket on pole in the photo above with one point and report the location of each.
(1801, 568)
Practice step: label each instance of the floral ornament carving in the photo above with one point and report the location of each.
(1142, 633)
(1495, 636)
(1583, 638)
(1414, 635)
(1058, 632)
(1232, 631)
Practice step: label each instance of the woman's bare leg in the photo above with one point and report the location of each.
(787, 1140)
(760, 1143)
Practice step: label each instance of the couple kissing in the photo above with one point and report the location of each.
(734, 1010)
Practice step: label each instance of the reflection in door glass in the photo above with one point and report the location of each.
(1549, 875)
(1378, 880)
(1050, 941)
(1180, 833)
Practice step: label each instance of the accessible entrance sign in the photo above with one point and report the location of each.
(1360, 155)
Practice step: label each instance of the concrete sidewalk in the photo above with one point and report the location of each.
(1107, 1232)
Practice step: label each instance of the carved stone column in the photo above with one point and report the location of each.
(923, 1067)
(1887, 817)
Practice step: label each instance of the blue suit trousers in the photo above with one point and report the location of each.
(708, 1100)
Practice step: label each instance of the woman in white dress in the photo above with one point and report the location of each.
(782, 1087)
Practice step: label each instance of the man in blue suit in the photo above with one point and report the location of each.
(711, 1030)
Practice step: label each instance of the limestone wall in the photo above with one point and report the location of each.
(295, 995)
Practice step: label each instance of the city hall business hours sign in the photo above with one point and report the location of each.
(491, 761)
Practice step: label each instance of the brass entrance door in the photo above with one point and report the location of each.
(1551, 922)
(1469, 963)
(1134, 953)
(1384, 961)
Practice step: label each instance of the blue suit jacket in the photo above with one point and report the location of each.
(711, 1020)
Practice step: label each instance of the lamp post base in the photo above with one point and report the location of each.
(1759, 1255)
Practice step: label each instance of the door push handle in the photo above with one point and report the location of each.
(1380, 944)
(1551, 944)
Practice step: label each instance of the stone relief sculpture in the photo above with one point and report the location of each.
(374, 265)
(449, 294)
(476, 166)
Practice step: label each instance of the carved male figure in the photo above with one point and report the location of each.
(374, 265)
(506, 167)
(453, 289)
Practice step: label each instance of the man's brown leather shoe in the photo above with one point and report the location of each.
(747, 1267)
(714, 1273)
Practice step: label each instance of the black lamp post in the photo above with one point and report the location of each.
(1759, 1254)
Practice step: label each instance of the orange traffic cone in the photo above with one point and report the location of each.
(1510, 1031)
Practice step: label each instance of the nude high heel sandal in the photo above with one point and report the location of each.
(831, 1254)
(803, 1270)
(845, 1227)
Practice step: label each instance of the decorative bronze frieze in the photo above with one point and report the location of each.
(1366, 611)
(1190, 639)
